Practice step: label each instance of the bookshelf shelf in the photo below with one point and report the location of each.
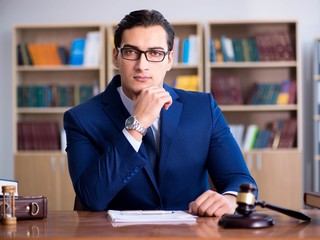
(253, 108)
(55, 68)
(272, 69)
(42, 110)
(41, 95)
(279, 64)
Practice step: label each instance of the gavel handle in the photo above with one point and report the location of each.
(285, 211)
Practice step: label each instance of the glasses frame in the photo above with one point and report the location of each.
(140, 53)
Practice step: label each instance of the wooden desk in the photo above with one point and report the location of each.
(91, 225)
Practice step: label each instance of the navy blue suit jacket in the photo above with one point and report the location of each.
(195, 140)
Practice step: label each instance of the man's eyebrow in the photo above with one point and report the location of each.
(136, 48)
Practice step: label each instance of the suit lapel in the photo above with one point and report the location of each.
(112, 104)
(169, 123)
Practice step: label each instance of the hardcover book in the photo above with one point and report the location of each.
(312, 199)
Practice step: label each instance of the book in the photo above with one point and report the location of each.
(262, 139)
(283, 97)
(151, 217)
(44, 54)
(312, 199)
(190, 50)
(212, 51)
(187, 82)
(8, 182)
(40, 135)
(176, 50)
(92, 49)
(276, 128)
(250, 137)
(227, 89)
(76, 57)
(218, 50)
(227, 49)
(288, 133)
(237, 131)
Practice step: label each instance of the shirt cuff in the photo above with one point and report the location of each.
(134, 143)
(230, 193)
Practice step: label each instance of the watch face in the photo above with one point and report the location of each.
(130, 121)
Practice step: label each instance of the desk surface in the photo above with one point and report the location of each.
(90, 225)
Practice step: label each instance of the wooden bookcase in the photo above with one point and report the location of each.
(316, 107)
(278, 172)
(183, 30)
(45, 172)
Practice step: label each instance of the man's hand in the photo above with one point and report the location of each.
(211, 203)
(148, 104)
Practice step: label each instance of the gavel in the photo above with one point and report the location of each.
(245, 216)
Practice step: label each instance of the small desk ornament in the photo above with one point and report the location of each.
(8, 206)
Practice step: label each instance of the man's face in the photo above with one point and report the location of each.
(138, 74)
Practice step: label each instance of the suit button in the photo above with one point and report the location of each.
(136, 169)
(124, 180)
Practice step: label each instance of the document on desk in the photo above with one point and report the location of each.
(151, 217)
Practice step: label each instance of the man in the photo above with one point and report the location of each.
(110, 162)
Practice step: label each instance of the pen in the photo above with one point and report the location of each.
(145, 212)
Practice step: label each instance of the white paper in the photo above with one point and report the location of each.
(151, 217)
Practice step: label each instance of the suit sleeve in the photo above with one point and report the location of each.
(226, 164)
(98, 173)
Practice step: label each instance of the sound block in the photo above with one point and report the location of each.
(246, 221)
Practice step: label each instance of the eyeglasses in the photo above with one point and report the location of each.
(133, 54)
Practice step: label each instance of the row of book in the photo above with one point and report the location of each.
(227, 90)
(273, 93)
(83, 51)
(186, 50)
(42, 135)
(280, 133)
(54, 96)
(266, 46)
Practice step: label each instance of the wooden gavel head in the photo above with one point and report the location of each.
(246, 199)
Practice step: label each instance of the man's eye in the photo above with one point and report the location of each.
(155, 53)
(130, 52)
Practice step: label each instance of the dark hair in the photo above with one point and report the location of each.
(143, 18)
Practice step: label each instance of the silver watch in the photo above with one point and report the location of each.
(133, 123)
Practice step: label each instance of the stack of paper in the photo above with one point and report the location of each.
(151, 217)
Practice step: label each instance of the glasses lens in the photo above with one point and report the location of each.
(130, 54)
(155, 55)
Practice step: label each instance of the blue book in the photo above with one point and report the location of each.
(77, 51)
(185, 50)
(212, 51)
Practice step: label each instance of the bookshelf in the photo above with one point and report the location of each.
(278, 171)
(182, 67)
(316, 107)
(44, 170)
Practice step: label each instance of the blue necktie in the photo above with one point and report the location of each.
(151, 148)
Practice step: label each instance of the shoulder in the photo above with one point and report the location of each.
(88, 105)
(188, 96)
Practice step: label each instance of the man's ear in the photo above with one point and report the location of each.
(115, 58)
(170, 60)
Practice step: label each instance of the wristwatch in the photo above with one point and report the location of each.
(133, 123)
